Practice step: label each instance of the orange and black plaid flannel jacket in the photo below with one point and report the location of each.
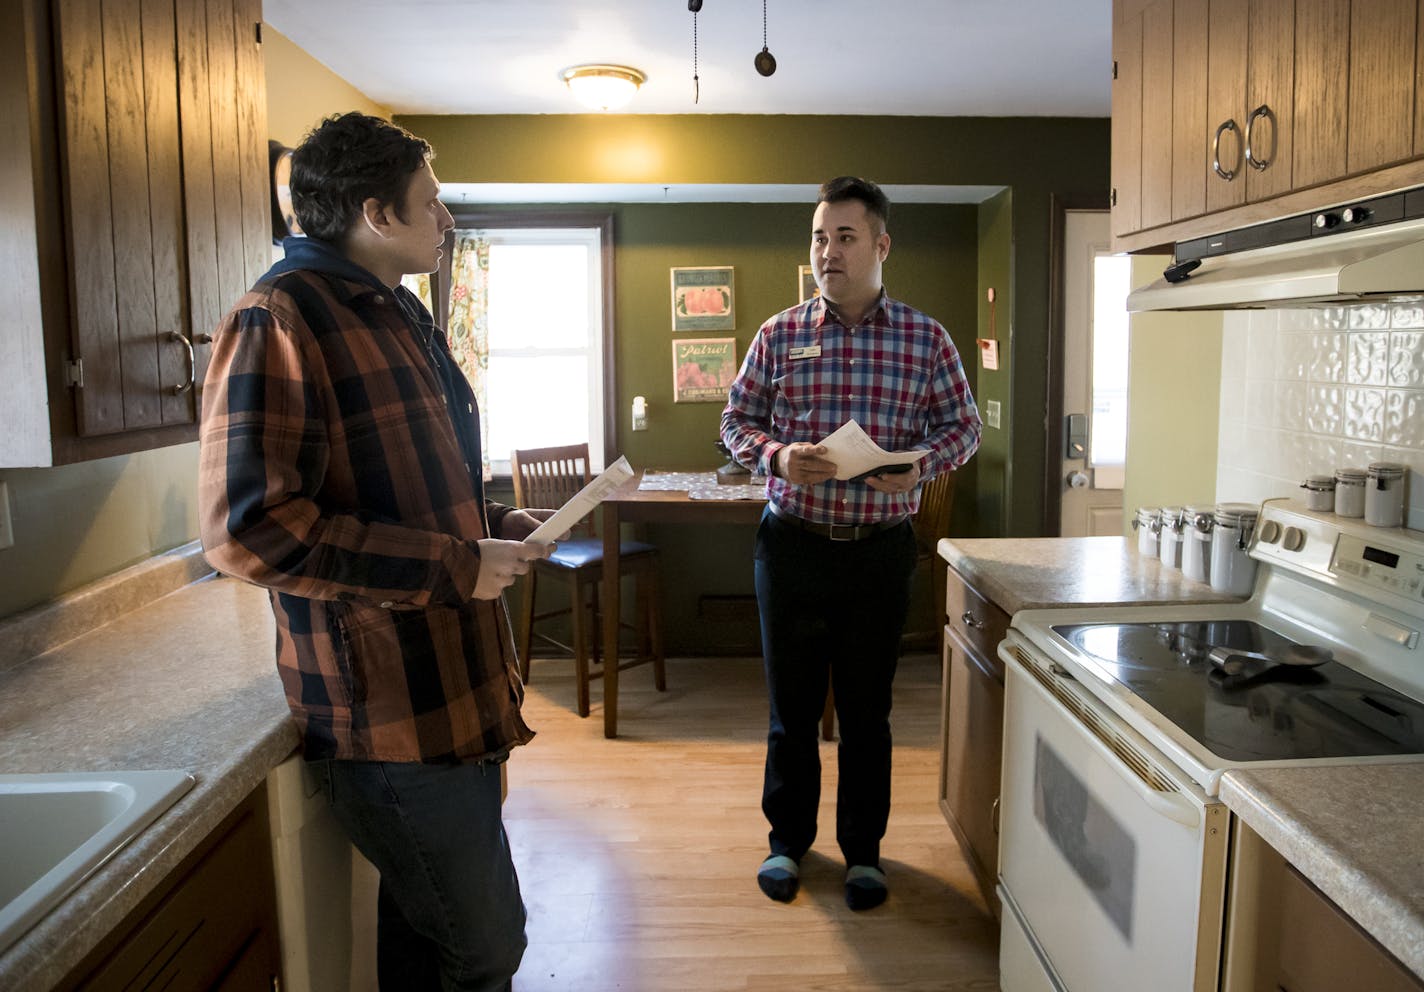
(336, 471)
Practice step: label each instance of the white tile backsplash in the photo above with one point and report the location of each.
(1308, 391)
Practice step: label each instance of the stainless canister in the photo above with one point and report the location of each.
(1319, 493)
(1384, 495)
(1197, 525)
(1350, 492)
(1233, 570)
(1148, 524)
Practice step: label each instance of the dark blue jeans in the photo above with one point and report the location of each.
(449, 915)
(831, 614)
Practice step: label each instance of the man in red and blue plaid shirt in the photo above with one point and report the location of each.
(834, 559)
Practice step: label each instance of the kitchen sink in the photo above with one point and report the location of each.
(58, 829)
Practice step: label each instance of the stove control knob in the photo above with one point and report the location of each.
(1294, 539)
(1270, 532)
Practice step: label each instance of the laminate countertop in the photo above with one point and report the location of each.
(1032, 573)
(1355, 831)
(165, 666)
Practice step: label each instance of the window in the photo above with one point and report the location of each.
(547, 309)
(1107, 444)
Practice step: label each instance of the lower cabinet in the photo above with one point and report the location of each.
(971, 725)
(211, 925)
(1283, 933)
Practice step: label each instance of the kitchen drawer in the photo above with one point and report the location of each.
(980, 623)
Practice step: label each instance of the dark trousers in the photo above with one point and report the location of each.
(831, 614)
(449, 914)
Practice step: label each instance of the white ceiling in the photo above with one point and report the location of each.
(883, 57)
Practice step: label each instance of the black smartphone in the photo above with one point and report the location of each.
(895, 469)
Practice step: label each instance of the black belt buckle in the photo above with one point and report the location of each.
(848, 530)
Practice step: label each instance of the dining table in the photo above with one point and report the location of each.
(688, 498)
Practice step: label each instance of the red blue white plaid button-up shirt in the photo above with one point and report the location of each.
(897, 374)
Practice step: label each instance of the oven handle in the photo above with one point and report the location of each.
(1173, 805)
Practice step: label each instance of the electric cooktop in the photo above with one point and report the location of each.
(1252, 711)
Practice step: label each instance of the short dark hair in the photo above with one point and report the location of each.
(344, 161)
(843, 188)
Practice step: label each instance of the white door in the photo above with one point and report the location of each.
(1094, 377)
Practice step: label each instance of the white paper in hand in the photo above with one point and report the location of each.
(583, 502)
(855, 453)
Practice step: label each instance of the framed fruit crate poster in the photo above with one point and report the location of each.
(703, 299)
(703, 369)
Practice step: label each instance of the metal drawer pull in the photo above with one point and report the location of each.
(1227, 174)
(182, 388)
(970, 620)
(1259, 164)
(994, 815)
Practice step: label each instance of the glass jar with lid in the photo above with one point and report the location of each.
(1233, 570)
(1197, 525)
(1384, 495)
(1350, 492)
(1319, 493)
(1148, 524)
(1169, 547)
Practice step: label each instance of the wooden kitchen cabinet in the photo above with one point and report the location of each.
(134, 170)
(1227, 114)
(1283, 933)
(213, 926)
(971, 727)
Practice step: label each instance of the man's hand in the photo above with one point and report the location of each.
(519, 524)
(501, 561)
(895, 482)
(804, 464)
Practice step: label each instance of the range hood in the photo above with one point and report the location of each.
(1373, 250)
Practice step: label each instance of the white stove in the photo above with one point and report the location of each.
(1120, 722)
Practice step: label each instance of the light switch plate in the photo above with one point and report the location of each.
(991, 413)
(7, 533)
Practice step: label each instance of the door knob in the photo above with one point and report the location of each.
(1077, 480)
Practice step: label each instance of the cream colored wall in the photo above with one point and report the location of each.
(1173, 404)
(77, 523)
(301, 91)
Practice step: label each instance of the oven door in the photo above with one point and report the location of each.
(1114, 861)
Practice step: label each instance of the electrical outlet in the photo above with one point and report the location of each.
(991, 413)
(7, 533)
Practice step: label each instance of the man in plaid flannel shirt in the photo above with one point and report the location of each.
(834, 559)
(340, 469)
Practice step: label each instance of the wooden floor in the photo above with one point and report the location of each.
(637, 856)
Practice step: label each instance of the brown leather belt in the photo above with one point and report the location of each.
(837, 532)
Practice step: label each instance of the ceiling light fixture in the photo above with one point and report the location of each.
(603, 87)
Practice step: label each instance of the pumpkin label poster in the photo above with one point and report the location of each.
(703, 299)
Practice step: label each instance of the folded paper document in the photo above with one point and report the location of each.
(857, 456)
(583, 502)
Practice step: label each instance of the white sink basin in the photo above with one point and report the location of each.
(55, 830)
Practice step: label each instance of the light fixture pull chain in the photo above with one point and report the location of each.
(696, 86)
(763, 24)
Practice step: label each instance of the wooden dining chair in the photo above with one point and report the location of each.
(548, 478)
(931, 522)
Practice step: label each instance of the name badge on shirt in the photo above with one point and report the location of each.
(810, 351)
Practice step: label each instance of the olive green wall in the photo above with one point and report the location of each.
(994, 461)
(1173, 403)
(1033, 156)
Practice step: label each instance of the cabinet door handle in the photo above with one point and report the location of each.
(970, 620)
(1254, 161)
(187, 342)
(1223, 128)
(994, 815)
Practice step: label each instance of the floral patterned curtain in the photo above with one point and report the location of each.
(467, 324)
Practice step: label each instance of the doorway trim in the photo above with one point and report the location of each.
(1059, 205)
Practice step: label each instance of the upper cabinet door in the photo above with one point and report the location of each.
(162, 114)
(1157, 114)
(1226, 102)
(1322, 91)
(1382, 82)
(1191, 160)
(1270, 97)
(1126, 119)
